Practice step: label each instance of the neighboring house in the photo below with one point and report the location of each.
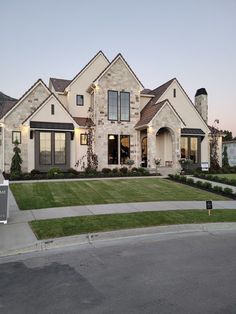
(231, 151)
(51, 123)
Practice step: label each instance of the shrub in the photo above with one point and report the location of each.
(115, 170)
(142, 171)
(26, 176)
(15, 176)
(199, 183)
(73, 171)
(134, 169)
(34, 172)
(124, 170)
(217, 189)
(207, 185)
(190, 181)
(183, 179)
(106, 170)
(53, 172)
(233, 182)
(228, 191)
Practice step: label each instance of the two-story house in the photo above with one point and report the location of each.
(128, 121)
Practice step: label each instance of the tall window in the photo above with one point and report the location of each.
(45, 148)
(113, 149)
(124, 106)
(60, 148)
(118, 106)
(112, 105)
(79, 100)
(189, 148)
(124, 148)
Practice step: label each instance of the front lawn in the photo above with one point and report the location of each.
(231, 176)
(53, 228)
(57, 194)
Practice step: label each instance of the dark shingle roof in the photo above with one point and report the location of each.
(51, 125)
(59, 84)
(151, 107)
(6, 103)
(189, 131)
(83, 121)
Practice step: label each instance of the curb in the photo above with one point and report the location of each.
(89, 239)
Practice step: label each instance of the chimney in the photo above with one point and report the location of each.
(201, 103)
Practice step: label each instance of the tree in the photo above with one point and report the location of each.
(214, 148)
(225, 160)
(16, 160)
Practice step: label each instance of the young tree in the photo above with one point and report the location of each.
(16, 160)
(214, 148)
(225, 160)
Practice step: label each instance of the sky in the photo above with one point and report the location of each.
(192, 40)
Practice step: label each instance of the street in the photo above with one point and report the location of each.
(165, 273)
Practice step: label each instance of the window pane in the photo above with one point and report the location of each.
(60, 148)
(124, 148)
(112, 105)
(45, 152)
(113, 149)
(184, 147)
(79, 100)
(124, 106)
(193, 149)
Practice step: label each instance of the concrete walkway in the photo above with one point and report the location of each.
(17, 236)
(214, 183)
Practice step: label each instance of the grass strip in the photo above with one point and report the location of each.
(60, 194)
(54, 228)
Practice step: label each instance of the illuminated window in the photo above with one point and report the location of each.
(16, 136)
(83, 139)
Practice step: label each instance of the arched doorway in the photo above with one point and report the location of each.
(164, 146)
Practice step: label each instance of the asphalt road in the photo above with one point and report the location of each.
(184, 273)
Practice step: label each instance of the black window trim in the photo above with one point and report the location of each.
(129, 106)
(79, 95)
(119, 144)
(52, 109)
(110, 90)
(51, 148)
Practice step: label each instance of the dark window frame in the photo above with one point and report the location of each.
(52, 109)
(81, 141)
(77, 97)
(119, 146)
(174, 92)
(199, 139)
(16, 132)
(117, 105)
(50, 164)
(54, 151)
(115, 135)
(122, 92)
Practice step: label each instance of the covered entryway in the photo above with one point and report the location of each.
(164, 146)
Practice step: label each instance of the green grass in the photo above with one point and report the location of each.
(53, 228)
(230, 176)
(57, 194)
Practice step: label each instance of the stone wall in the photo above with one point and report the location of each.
(117, 78)
(13, 122)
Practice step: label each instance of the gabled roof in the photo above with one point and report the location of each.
(86, 66)
(39, 81)
(152, 107)
(6, 103)
(119, 56)
(59, 84)
(43, 103)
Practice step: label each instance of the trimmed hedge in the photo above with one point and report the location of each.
(203, 185)
(216, 178)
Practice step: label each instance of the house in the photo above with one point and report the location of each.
(51, 123)
(231, 151)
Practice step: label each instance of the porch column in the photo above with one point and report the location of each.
(151, 147)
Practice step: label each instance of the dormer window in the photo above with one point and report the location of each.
(79, 100)
(174, 92)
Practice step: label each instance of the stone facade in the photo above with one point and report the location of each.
(13, 122)
(168, 120)
(117, 78)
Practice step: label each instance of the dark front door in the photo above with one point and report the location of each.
(52, 149)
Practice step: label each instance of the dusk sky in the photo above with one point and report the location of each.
(194, 41)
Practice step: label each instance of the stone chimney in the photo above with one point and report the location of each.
(201, 103)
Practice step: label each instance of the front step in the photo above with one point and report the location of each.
(164, 171)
